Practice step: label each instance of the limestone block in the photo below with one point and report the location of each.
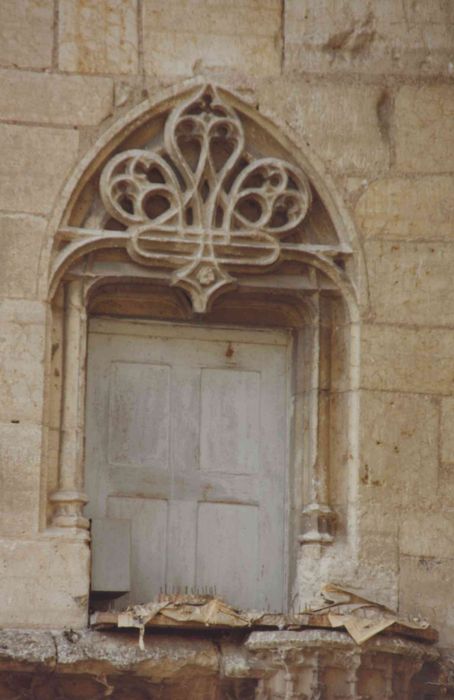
(26, 29)
(56, 99)
(21, 238)
(21, 364)
(179, 39)
(339, 122)
(425, 589)
(399, 208)
(423, 126)
(407, 359)
(27, 650)
(369, 37)
(411, 282)
(98, 37)
(379, 543)
(446, 485)
(447, 430)
(428, 534)
(340, 449)
(43, 583)
(20, 458)
(398, 452)
(164, 656)
(34, 163)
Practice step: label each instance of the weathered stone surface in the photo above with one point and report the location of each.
(98, 37)
(34, 163)
(54, 99)
(339, 122)
(21, 238)
(399, 208)
(428, 534)
(423, 127)
(398, 449)
(407, 359)
(369, 37)
(331, 661)
(27, 650)
(410, 282)
(20, 458)
(163, 657)
(446, 485)
(425, 589)
(447, 430)
(21, 365)
(244, 37)
(26, 33)
(43, 583)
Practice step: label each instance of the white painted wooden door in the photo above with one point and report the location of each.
(187, 438)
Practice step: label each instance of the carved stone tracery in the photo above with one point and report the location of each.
(201, 203)
(200, 196)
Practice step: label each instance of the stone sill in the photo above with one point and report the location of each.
(191, 664)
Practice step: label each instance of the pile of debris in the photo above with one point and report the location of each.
(362, 618)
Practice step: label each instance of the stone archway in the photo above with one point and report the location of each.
(197, 205)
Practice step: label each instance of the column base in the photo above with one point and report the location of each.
(68, 510)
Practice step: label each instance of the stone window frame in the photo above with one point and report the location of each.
(325, 462)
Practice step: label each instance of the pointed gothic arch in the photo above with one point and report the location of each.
(190, 207)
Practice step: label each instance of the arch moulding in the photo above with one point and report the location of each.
(198, 209)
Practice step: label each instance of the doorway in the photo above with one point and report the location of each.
(187, 441)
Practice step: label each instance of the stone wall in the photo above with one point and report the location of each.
(367, 86)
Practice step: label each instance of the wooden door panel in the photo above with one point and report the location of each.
(139, 415)
(230, 421)
(194, 454)
(227, 551)
(149, 519)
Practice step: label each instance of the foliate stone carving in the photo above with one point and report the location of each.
(201, 203)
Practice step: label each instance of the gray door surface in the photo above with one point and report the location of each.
(187, 439)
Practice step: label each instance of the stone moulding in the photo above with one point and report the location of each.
(302, 665)
(200, 197)
(200, 203)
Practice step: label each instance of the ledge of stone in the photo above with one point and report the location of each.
(182, 665)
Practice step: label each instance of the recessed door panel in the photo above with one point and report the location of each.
(228, 551)
(139, 414)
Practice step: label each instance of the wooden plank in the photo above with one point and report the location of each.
(301, 621)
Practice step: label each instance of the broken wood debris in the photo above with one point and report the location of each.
(361, 618)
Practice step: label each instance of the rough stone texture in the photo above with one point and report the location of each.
(368, 85)
(364, 36)
(20, 451)
(43, 583)
(399, 465)
(98, 37)
(54, 99)
(179, 43)
(425, 587)
(435, 535)
(26, 33)
(21, 365)
(339, 122)
(419, 360)
(398, 473)
(399, 208)
(424, 134)
(34, 163)
(21, 238)
(162, 658)
(447, 430)
(410, 282)
(78, 665)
